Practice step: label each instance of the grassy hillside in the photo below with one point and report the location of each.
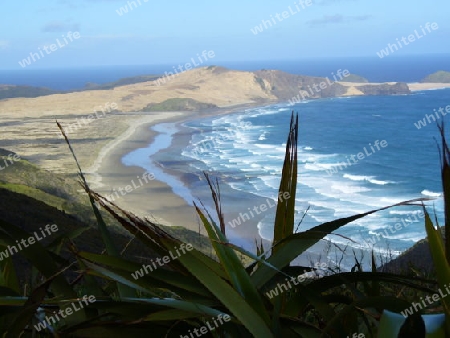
(182, 104)
(355, 78)
(61, 195)
(11, 91)
(440, 76)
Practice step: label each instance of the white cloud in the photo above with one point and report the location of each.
(337, 19)
(59, 26)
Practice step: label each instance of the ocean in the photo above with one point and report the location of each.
(251, 145)
(355, 154)
(411, 68)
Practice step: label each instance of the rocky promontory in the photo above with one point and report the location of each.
(385, 89)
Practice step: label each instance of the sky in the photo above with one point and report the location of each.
(139, 32)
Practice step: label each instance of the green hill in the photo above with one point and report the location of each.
(179, 104)
(441, 76)
(10, 91)
(355, 78)
(31, 197)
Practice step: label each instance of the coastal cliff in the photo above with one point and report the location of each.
(385, 89)
(287, 86)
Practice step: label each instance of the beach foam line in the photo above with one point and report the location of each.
(370, 179)
(141, 158)
(416, 86)
(94, 179)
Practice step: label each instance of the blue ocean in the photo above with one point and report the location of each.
(246, 151)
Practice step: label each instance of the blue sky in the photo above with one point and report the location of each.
(171, 32)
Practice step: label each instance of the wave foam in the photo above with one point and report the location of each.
(370, 179)
(346, 189)
(431, 193)
(318, 166)
(412, 212)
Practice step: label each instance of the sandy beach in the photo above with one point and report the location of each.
(414, 86)
(155, 199)
(427, 86)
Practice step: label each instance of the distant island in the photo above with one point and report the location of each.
(10, 91)
(441, 76)
(356, 78)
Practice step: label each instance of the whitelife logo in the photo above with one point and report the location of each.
(11, 158)
(398, 226)
(129, 7)
(213, 143)
(147, 177)
(52, 320)
(391, 48)
(282, 287)
(431, 118)
(266, 24)
(187, 66)
(221, 320)
(318, 87)
(146, 269)
(25, 243)
(360, 156)
(49, 49)
(244, 217)
(86, 120)
(417, 306)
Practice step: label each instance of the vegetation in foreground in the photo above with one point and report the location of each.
(193, 292)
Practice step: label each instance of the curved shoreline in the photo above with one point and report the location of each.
(157, 198)
(96, 179)
(154, 199)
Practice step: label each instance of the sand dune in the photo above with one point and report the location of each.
(202, 84)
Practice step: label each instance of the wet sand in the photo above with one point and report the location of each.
(153, 198)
